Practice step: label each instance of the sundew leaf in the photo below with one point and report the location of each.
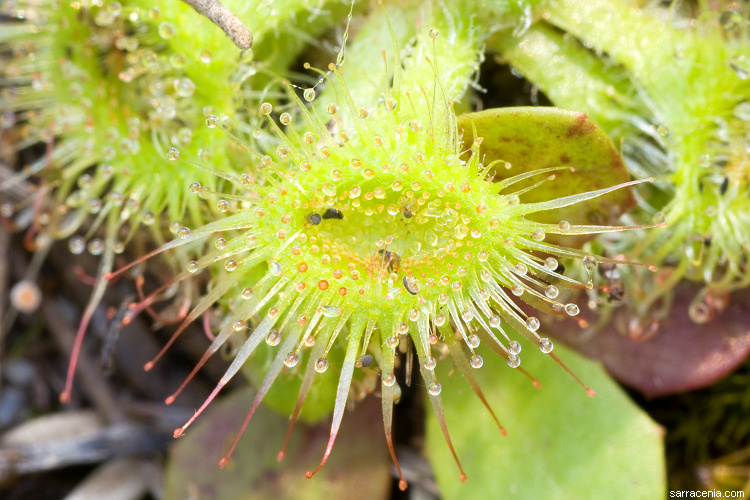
(532, 138)
(362, 466)
(561, 443)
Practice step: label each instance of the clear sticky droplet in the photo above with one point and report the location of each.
(430, 364)
(476, 361)
(291, 359)
(392, 341)
(545, 345)
(212, 121)
(514, 347)
(96, 246)
(273, 338)
(514, 361)
(274, 268)
(321, 365)
(532, 324)
(434, 389)
(589, 263)
(77, 245)
(571, 309)
(330, 311)
(166, 30)
(184, 87)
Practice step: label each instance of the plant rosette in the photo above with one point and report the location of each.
(382, 239)
(682, 115)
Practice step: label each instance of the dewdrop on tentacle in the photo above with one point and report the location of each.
(349, 270)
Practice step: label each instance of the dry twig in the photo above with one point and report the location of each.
(224, 19)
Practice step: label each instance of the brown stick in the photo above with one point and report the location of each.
(224, 19)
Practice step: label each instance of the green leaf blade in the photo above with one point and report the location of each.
(561, 443)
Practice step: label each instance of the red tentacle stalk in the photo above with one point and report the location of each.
(589, 390)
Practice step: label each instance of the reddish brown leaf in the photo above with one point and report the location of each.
(681, 355)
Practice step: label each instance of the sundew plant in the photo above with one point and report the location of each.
(336, 228)
(682, 113)
(369, 226)
(107, 88)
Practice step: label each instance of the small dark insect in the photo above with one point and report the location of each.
(724, 185)
(612, 275)
(406, 211)
(391, 259)
(560, 269)
(366, 360)
(411, 285)
(332, 213)
(312, 218)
